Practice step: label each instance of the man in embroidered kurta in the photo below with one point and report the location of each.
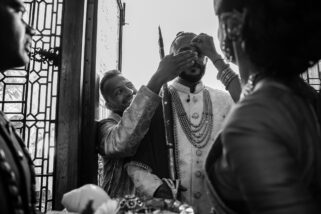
(130, 113)
(198, 112)
(17, 176)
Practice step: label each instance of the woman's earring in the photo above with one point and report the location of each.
(227, 49)
(243, 45)
(231, 26)
(249, 86)
(234, 24)
(226, 43)
(234, 29)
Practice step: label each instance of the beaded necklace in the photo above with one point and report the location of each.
(197, 134)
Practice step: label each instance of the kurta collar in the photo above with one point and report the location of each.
(185, 89)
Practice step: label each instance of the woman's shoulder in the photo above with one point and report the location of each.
(268, 98)
(267, 107)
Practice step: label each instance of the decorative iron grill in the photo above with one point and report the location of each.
(28, 96)
(313, 76)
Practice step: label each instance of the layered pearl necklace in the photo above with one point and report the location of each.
(198, 134)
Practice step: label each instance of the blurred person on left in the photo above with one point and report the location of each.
(17, 177)
(15, 38)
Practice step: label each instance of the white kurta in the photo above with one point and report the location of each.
(190, 158)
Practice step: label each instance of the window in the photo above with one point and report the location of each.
(313, 76)
(28, 96)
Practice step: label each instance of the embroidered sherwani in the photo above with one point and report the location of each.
(190, 159)
(119, 137)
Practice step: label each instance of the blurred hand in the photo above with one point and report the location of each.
(181, 188)
(205, 44)
(163, 191)
(89, 208)
(171, 66)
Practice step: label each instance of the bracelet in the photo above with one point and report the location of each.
(140, 165)
(227, 76)
(223, 72)
(229, 81)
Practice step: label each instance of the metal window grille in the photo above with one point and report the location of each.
(313, 76)
(28, 96)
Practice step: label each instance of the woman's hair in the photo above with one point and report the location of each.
(281, 37)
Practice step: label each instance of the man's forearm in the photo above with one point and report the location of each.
(120, 137)
(155, 83)
(145, 182)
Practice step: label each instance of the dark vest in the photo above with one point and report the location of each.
(153, 151)
(17, 178)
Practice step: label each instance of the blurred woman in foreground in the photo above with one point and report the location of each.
(268, 156)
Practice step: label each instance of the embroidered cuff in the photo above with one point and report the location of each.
(149, 93)
(140, 165)
(145, 182)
